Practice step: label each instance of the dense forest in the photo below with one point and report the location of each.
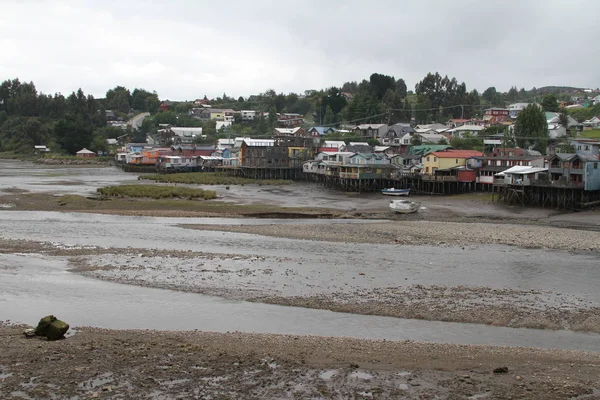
(65, 124)
(68, 123)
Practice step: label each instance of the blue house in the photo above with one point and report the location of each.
(318, 131)
(135, 147)
(575, 171)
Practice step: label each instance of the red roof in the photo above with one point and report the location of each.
(457, 154)
(327, 150)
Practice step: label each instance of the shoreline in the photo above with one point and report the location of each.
(99, 363)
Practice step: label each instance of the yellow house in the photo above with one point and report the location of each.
(217, 114)
(447, 159)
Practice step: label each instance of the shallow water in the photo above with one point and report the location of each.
(36, 178)
(328, 266)
(32, 286)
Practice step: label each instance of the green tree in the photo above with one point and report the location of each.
(401, 88)
(262, 126)
(272, 116)
(166, 117)
(142, 100)
(119, 99)
(531, 129)
(466, 142)
(513, 94)
(329, 116)
(550, 103)
(490, 95)
(73, 133)
(416, 140)
(381, 83)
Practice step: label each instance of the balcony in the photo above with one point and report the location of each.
(349, 175)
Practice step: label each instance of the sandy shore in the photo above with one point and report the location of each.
(428, 233)
(97, 363)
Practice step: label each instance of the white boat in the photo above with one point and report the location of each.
(395, 192)
(404, 206)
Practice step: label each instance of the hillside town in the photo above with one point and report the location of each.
(381, 151)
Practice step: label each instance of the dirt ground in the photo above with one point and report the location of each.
(106, 364)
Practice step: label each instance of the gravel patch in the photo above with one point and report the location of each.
(428, 233)
(96, 363)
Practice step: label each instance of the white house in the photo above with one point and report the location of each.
(596, 100)
(248, 115)
(515, 109)
(466, 129)
(521, 175)
(223, 125)
(186, 134)
(432, 137)
(41, 149)
(592, 122)
(556, 130)
(223, 144)
(338, 144)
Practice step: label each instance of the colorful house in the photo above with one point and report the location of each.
(318, 131)
(443, 160)
(575, 171)
(85, 153)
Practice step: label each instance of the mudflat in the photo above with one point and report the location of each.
(95, 363)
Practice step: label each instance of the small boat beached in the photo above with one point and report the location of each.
(395, 192)
(404, 206)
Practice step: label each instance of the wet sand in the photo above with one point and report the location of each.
(430, 233)
(97, 363)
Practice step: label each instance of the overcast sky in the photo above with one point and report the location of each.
(185, 49)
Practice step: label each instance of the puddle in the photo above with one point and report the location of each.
(96, 382)
(327, 375)
(360, 375)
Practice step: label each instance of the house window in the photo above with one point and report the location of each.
(428, 159)
(435, 159)
(595, 165)
(587, 147)
(426, 170)
(456, 160)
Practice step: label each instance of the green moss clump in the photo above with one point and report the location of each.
(156, 192)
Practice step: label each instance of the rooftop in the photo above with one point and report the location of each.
(457, 154)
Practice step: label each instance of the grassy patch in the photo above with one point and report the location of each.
(211, 178)
(156, 192)
(9, 155)
(590, 134)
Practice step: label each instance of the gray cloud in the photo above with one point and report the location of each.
(185, 49)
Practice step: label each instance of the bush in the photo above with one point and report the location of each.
(156, 192)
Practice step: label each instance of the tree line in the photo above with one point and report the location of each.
(65, 124)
